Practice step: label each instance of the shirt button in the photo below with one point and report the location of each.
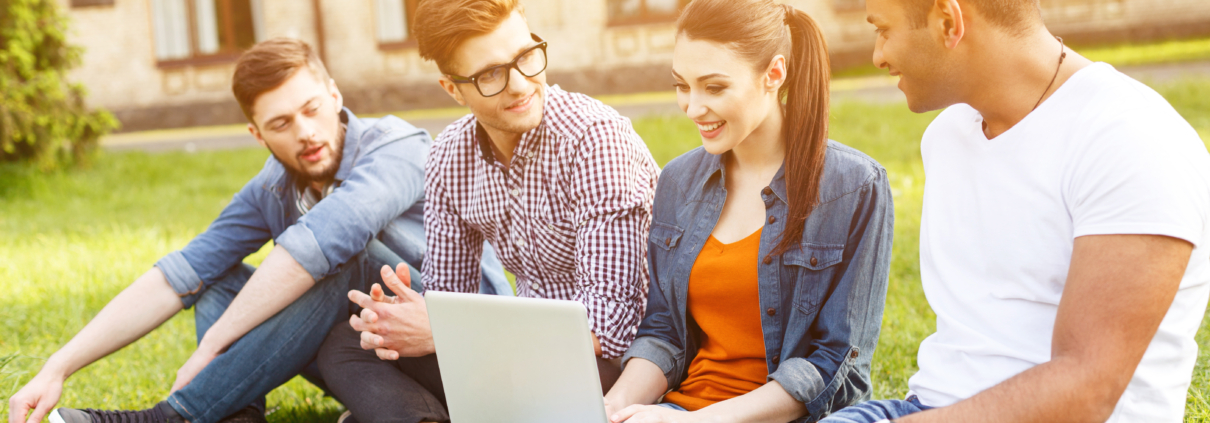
(768, 260)
(854, 354)
(767, 191)
(516, 192)
(776, 359)
(529, 155)
(771, 311)
(772, 219)
(551, 227)
(521, 242)
(814, 261)
(667, 242)
(533, 286)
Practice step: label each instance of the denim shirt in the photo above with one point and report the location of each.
(381, 195)
(821, 304)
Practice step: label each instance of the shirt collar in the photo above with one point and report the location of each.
(354, 128)
(714, 166)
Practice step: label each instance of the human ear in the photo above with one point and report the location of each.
(775, 74)
(256, 134)
(340, 100)
(452, 89)
(947, 14)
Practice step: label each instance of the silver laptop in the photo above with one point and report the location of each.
(508, 359)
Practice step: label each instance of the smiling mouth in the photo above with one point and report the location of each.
(711, 127)
(525, 102)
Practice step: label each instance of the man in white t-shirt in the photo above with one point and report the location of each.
(1065, 236)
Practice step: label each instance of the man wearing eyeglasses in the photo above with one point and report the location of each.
(558, 183)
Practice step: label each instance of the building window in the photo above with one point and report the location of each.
(199, 31)
(848, 5)
(88, 3)
(626, 12)
(395, 18)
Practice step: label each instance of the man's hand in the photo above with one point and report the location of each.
(198, 361)
(38, 397)
(393, 326)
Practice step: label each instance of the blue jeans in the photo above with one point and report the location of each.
(874, 411)
(278, 349)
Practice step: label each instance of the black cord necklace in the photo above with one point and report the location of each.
(1062, 55)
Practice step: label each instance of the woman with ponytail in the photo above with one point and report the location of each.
(770, 245)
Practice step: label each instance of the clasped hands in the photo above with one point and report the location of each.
(393, 326)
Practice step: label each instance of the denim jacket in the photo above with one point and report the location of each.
(381, 195)
(822, 302)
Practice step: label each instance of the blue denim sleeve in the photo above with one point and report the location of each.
(836, 372)
(657, 340)
(383, 183)
(238, 231)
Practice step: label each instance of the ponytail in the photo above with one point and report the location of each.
(805, 127)
(759, 30)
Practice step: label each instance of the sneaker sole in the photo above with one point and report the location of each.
(55, 417)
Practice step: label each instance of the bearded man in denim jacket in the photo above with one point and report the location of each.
(340, 197)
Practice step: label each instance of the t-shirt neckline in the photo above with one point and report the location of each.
(1045, 106)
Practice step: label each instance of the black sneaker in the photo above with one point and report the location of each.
(161, 413)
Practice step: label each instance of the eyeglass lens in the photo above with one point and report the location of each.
(495, 80)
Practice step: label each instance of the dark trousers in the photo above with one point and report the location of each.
(407, 390)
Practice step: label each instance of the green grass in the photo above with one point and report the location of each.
(1148, 53)
(70, 241)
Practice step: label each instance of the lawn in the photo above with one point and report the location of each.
(72, 240)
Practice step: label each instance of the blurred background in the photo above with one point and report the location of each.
(120, 141)
(168, 63)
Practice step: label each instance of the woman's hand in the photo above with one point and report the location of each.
(653, 414)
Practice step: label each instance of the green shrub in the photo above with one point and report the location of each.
(43, 118)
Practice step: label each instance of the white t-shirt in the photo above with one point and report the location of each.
(1104, 155)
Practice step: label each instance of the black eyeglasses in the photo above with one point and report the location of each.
(493, 80)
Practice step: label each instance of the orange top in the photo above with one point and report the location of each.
(725, 302)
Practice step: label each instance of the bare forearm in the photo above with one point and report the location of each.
(641, 383)
(1061, 390)
(141, 307)
(276, 284)
(1118, 290)
(769, 403)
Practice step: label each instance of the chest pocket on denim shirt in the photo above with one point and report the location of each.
(665, 236)
(814, 266)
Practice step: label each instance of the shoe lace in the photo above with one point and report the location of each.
(151, 415)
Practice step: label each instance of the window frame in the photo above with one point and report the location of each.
(78, 4)
(228, 51)
(409, 41)
(848, 5)
(645, 16)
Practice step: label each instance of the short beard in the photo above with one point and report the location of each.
(327, 174)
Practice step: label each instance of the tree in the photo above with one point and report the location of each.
(43, 118)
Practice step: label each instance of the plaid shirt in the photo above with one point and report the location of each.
(569, 217)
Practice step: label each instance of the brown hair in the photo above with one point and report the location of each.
(758, 30)
(1014, 15)
(268, 65)
(442, 25)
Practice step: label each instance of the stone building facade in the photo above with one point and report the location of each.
(168, 63)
